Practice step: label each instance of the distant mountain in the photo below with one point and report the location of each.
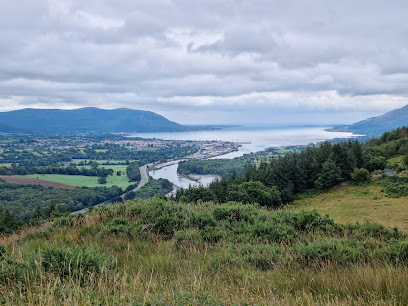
(8, 129)
(376, 126)
(85, 120)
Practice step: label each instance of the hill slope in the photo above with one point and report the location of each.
(376, 126)
(88, 120)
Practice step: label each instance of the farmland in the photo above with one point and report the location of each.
(83, 181)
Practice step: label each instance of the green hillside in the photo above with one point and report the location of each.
(87, 120)
(378, 125)
(157, 252)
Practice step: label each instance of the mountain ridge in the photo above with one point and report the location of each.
(376, 126)
(88, 119)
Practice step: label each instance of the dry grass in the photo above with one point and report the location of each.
(350, 204)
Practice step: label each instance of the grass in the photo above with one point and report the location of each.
(349, 204)
(5, 164)
(83, 181)
(117, 256)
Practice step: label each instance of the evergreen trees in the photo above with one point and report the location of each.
(280, 180)
(8, 223)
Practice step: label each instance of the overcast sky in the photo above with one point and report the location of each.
(207, 61)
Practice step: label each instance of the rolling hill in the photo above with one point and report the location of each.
(376, 126)
(85, 120)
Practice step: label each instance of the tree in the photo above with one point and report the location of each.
(8, 223)
(102, 180)
(329, 176)
(256, 192)
(360, 175)
(52, 207)
(133, 172)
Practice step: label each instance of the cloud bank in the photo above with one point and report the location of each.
(207, 61)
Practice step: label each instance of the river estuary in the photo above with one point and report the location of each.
(254, 138)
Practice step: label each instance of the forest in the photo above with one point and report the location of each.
(27, 201)
(280, 180)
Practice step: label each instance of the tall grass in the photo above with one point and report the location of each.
(162, 253)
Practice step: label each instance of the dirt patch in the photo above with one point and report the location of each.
(33, 181)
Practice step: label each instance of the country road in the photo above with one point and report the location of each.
(144, 178)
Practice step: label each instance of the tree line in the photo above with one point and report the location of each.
(280, 180)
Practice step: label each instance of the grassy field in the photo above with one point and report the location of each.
(83, 181)
(349, 204)
(122, 255)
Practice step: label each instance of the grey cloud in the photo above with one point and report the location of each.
(217, 56)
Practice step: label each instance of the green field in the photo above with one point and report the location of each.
(349, 204)
(83, 181)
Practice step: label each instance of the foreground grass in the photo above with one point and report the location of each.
(164, 253)
(349, 204)
(84, 181)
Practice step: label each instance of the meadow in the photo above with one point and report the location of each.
(84, 181)
(349, 204)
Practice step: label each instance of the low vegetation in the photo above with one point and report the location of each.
(161, 252)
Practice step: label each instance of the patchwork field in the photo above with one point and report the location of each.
(83, 181)
(35, 181)
(349, 204)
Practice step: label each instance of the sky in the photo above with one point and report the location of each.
(207, 61)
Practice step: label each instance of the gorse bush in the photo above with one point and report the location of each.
(395, 186)
(325, 250)
(75, 262)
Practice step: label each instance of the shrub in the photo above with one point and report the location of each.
(202, 221)
(396, 186)
(322, 251)
(307, 220)
(360, 175)
(74, 262)
(117, 226)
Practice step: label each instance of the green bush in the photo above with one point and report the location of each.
(325, 250)
(74, 261)
(396, 186)
(360, 175)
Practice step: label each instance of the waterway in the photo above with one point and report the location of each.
(255, 138)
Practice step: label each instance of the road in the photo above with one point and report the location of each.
(144, 178)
